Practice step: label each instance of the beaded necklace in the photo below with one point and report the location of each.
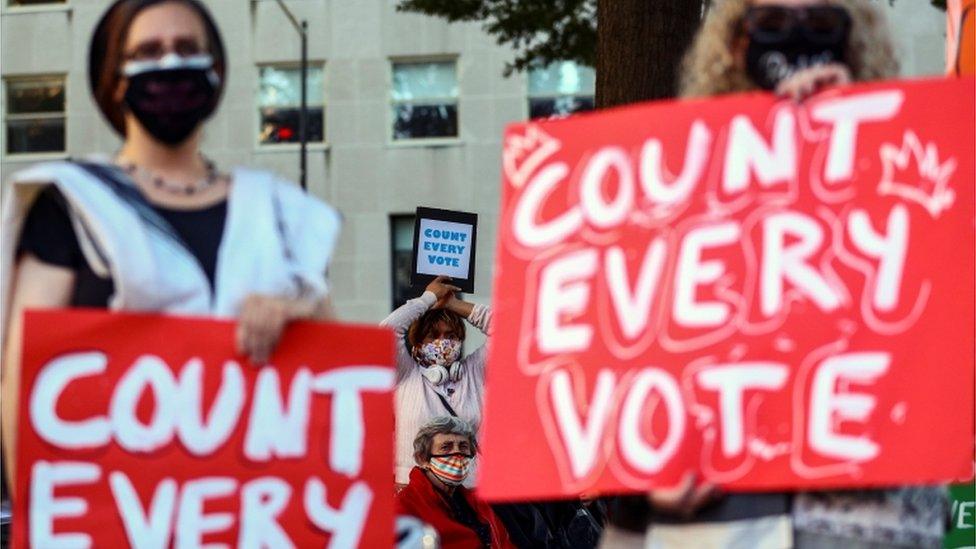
(207, 181)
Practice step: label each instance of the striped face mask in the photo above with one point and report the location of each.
(451, 469)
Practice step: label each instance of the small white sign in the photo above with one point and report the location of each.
(444, 248)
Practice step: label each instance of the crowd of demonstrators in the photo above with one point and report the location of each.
(97, 233)
(433, 379)
(444, 449)
(794, 48)
(434, 382)
(247, 245)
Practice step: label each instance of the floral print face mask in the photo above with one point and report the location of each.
(439, 352)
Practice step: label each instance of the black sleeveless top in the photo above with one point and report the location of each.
(49, 236)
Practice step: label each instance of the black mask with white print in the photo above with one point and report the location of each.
(784, 40)
(172, 96)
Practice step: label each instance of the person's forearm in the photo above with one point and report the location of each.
(460, 307)
(9, 387)
(480, 318)
(326, 309)
(40, 286)
(401, 319)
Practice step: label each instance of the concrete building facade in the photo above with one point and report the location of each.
(358, 167)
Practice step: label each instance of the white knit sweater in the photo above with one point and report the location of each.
(416, 397)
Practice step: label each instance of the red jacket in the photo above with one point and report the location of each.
(420, 499)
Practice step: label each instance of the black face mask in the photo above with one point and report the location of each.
(785, 40)
(171, 98)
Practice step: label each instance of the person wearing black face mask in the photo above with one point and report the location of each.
(791, 47)
(784, 41)
(158, 227)
(171, 96)
(794, 48)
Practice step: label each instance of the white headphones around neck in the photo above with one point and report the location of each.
(439, 375)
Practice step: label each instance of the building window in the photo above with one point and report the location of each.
(280, 100)
(560, 89)
(401, 260)
(425, 100)
(35, 115)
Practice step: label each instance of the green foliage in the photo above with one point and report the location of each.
(540, 31)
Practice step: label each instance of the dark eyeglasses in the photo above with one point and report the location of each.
(818, 24)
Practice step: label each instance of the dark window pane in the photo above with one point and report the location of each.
(280, 125)
(401, 233)
(418, 121)
(35, 97)
(29, 136)
(546, 107)
(402, 267)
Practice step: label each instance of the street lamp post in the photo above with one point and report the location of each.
(303, 117)
(302, 29)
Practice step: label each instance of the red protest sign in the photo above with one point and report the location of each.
(774, 295)
(149, 429)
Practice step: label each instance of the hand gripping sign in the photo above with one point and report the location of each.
(774, 295)
(148, 431)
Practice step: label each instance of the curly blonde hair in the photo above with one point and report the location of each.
(710, 67)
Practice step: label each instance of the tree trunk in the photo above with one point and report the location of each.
(640, 44)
